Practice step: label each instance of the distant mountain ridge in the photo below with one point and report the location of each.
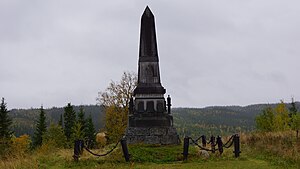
(217, 120)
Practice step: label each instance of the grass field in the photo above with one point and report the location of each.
(63, 159)
(255, 154)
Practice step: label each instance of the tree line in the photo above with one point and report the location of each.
(22, 119)
(279, 118)
(71, 126)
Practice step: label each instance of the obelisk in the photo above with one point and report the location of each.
(149, 120)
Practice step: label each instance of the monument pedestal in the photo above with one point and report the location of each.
(152, 135)
(150, 120)
(151, 128)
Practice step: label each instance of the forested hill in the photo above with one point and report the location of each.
(24, 119)
(218, 120)
(190, 121)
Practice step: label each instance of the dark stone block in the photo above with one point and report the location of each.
(160, 107)
(139, 131)
(150, 106)
(171, 131)
(152, 140)
(135, 139)
(159, 131)
(141, 107)
(157, 135)
(151, 89)
(149, 122)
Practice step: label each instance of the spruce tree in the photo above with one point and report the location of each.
(90, 132)
(295, 118)
(60, 122)
(5, 121)
(293, 108)
(265, 120)
(81, 119)
(292, 112)
(55, 135)
(40, 130)
(69, 122)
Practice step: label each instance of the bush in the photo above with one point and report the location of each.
(101, 139)
(17, 146)
(55, 136)
(4, 146)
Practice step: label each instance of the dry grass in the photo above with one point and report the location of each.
(267, 150)
(283, 145)
(25, 161)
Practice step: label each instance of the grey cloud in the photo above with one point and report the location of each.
(211, 52)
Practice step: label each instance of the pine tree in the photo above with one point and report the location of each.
(295, 118)
(69, 122)
(90, 132)
(55, 135)
(60, 122)
(81, 119)
(5, 121)
(78, 133)
(40, 130)
(265, 121)
(296, 123)
(293, 108)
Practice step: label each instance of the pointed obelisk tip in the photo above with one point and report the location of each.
(148, 46)
(147, 11)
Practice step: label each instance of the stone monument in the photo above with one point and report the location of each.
(150, 120)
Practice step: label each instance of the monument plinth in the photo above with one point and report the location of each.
(149, 120)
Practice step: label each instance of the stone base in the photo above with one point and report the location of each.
(152, 135)
(148, 120)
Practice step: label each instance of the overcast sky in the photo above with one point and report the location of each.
(211, 52)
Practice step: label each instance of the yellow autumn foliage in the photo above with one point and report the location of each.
(20, 145)
(115, 122)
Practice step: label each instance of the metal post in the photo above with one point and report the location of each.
(203, 139)
(236, 142)
(213, 144)
(76, 150)
(125, 149)
(220, 144)
(81, 145)
(185, 148)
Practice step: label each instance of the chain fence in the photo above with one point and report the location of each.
(79, 146)
(233, 140)
(213, 142)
